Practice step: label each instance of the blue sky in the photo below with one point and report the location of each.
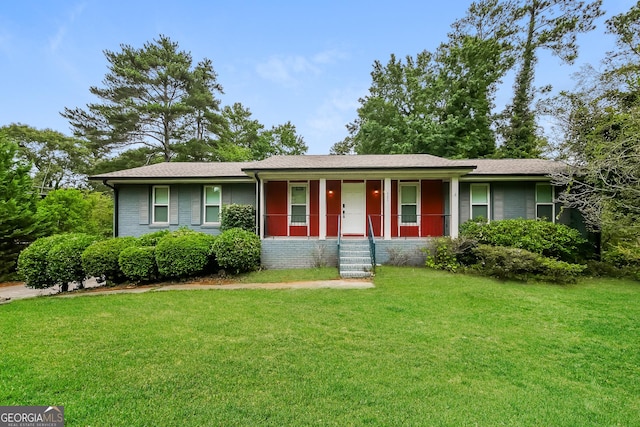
(298, 61)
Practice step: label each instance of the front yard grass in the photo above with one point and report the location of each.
(422, 348)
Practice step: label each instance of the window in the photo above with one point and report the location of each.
(480, 201)
(408, 203)
(160, 204)
(544, 202)
(298, 204)
(212, 204)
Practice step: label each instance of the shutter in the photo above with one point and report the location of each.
(498, 204)
(465, 202)
(143, 206)
(196, 209)
(173, 206)
(530, 201)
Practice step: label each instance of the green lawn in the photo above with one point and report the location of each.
(422, 348)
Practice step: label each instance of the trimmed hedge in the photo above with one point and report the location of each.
(541, 237)
(185, 253)
(238, 216)
(33, 260)
(101, 258)
(152, 239)
(138, 263)
(520, 264)
(64, 260)
(238, 250)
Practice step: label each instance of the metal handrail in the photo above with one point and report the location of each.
(372, 244)
(339, 239)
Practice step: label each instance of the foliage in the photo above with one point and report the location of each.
(153, 96)
(450, 254)
(397, 256)
(101, 258)
(138, 263)
(152, 239)
(74, 211)
(238, 216)
(519, 264)
(243, 138)
(57, 160)
(64, 259)
(541, 237)
(546, 24)
(600, 121)
(237, 250)
(436, 103)
(185, 253)
(18, 225)
(442, 256)
(33, 260)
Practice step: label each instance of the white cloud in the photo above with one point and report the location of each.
(289, 70)
(58, 37)
(327, 126)
(285, 70)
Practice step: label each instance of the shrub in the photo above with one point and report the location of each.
(101, 258)
(237, 250)
(520, 264)
(541, 237)
(138, 263)
(238, 216)
(185, 253)
(441, 255)
(449, 254)
(64, 260)
(32, 262)
(621, 260)
(397, 256)
(152, 239)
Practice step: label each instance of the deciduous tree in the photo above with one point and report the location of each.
(18, 199)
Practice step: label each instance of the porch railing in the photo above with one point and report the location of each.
(423, 225)
(372, 243)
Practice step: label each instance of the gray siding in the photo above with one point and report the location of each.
(509, 200)
(134, 213)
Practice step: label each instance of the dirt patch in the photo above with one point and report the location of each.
(5, 284)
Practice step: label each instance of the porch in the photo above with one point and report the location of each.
(384, 208)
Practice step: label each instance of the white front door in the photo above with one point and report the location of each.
(354, 208)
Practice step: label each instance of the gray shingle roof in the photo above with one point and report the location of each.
(514, 166)
(236, 170)
(364, 161)
(180, 170)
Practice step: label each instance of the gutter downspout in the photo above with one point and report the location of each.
(115, 207)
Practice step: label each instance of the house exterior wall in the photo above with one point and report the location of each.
(185, 206)
(508, 200)
(298, 253)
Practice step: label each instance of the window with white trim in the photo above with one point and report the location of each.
(480, 198)
(298, 203)
(409, 204)
(160, 202)
(545, 208)
(212, 204)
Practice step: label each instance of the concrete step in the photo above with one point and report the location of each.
(355, 274)
(356, 266)
(355, 259)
